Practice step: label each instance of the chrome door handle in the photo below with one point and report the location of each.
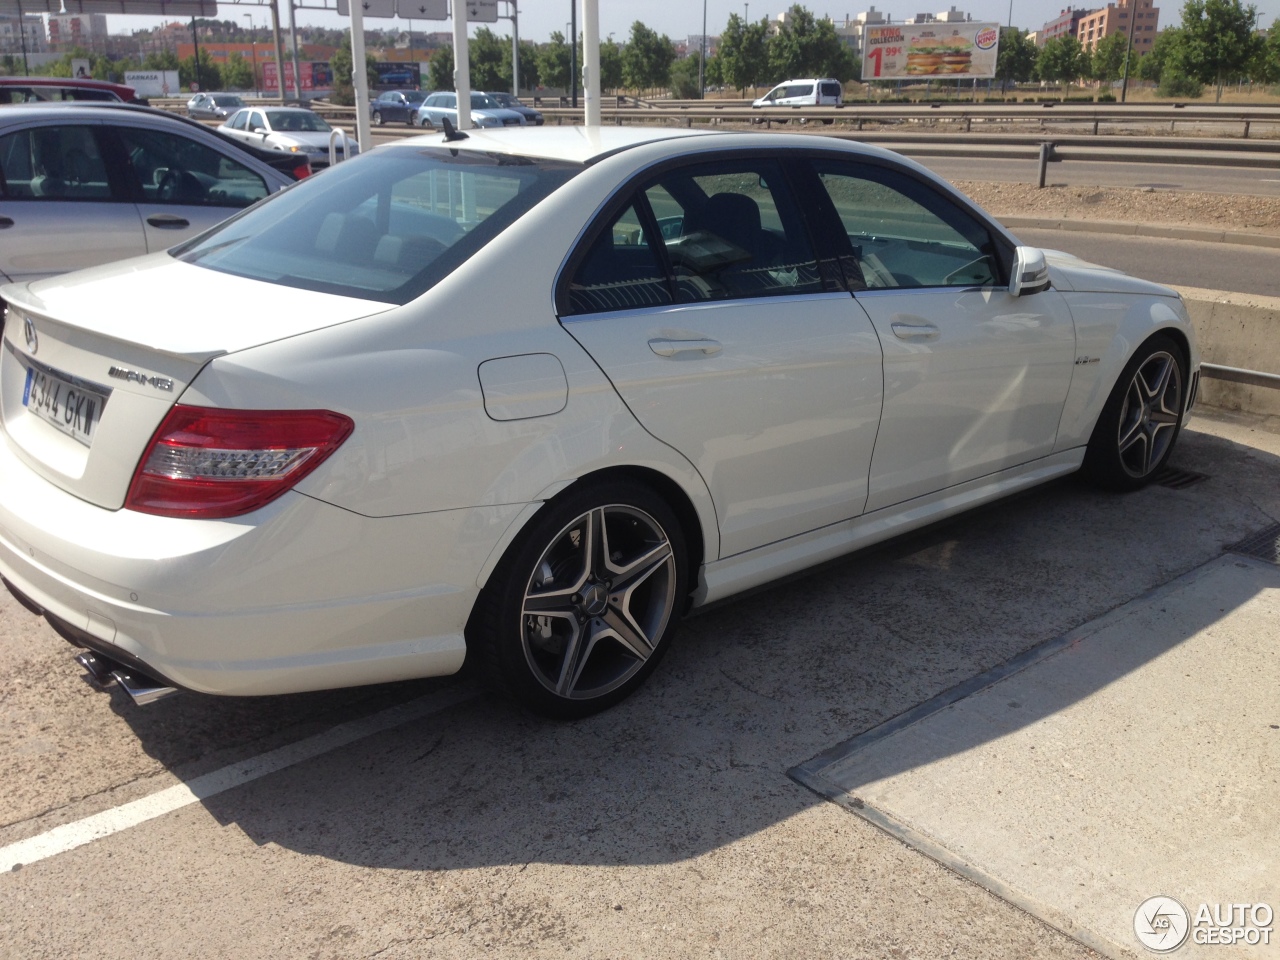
(915, 331)
(6, 222)
(672, 348)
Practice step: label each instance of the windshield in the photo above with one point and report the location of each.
(481, 102)
(386, 226)
(414, 96)
(297, 121)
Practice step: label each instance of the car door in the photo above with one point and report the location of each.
(974, 378)
(183, 186)
(62, 204)
(700, 296)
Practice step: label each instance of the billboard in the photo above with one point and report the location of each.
(317, 77)
(398, 76)
(153, 83)
(930, 51)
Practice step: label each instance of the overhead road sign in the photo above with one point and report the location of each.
(406, 9)
(482, 11)
(155, 8)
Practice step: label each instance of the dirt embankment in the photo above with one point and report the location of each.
(1145, 205)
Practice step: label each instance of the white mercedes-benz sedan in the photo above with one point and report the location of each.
(528, 397)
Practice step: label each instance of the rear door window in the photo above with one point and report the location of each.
(54, 163)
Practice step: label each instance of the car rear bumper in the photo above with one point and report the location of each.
(300, 595)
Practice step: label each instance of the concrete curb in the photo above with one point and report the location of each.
(1160, 231)
(1236, 330)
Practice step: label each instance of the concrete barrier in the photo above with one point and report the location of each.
(1236, 330)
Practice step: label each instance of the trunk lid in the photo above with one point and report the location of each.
(92, 361)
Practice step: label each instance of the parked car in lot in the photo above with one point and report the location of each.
(509, 102)
(53, 89)
(710, 360)
(84, 184)
(485, 111)
(393, 106)
(294, 130)
(213, 106)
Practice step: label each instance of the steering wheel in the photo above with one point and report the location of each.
(179, 186)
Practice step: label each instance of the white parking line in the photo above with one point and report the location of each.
(104, 824)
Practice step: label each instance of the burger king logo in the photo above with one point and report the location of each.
(986, 38)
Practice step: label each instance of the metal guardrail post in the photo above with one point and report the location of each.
(1046, 154)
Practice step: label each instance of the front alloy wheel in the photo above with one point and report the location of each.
(583, 607)
(1150, 413)
(1140, 421)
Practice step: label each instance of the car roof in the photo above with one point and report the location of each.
(585, 145)
(84, 83)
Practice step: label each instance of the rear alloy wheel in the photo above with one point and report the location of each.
(584, 605)
(1140, 423)
(377, 119)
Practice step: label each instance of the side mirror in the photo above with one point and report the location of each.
(1030, 272)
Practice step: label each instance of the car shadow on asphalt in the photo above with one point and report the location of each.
(697, 760)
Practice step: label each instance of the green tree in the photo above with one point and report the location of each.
(1107, 62)
(207, 75)
(440, 70)
(344, 94)
(553, 62)
(237, 74)
(1062, 60)
(1219, 42)
(528, 64)
(1016, 62)
(647, 58)
(684, 79)
(610, 65)
(484, 54)
(805, 46)
(165, 60)
(743, 57)
(1152, 63)
(1267, 69)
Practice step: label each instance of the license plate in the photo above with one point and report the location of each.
(66, 404)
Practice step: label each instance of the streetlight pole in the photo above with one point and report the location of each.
(253, 45)
(514, 17)
(573, 52)
(1128, 53)
(702, 56)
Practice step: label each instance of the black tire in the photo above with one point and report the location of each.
(584, 603)
(377, 119)
(1140, 422)
(425, 123)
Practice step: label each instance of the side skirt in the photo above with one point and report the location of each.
(723, 578)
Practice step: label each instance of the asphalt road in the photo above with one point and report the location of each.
(665, 828)
(1189, 263)
(1164, 176)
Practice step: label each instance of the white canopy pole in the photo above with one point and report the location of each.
(591, 61)
(359, 76)
(461, 64)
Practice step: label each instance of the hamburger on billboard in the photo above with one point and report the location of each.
(930, 50)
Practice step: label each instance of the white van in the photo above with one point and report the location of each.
(803, 93)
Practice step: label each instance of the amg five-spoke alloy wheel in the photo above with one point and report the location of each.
(585, 604)
(1140, 423)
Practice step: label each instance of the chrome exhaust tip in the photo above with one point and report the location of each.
(98, 668)
(141, 688)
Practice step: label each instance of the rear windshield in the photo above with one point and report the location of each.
(297, 121)
(385, 226)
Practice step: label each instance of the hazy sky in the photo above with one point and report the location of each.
(538, 18)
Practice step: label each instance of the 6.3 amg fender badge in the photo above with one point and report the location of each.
(29, 333)
(133, 376)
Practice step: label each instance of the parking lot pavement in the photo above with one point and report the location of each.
(666, 827)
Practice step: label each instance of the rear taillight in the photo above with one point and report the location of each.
(209, 463)
(302, 170)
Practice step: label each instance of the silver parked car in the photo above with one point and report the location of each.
(485, 111)
(290, 129)
(213, 106)
(85, 184)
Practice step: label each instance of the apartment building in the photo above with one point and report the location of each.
(1115, 18)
